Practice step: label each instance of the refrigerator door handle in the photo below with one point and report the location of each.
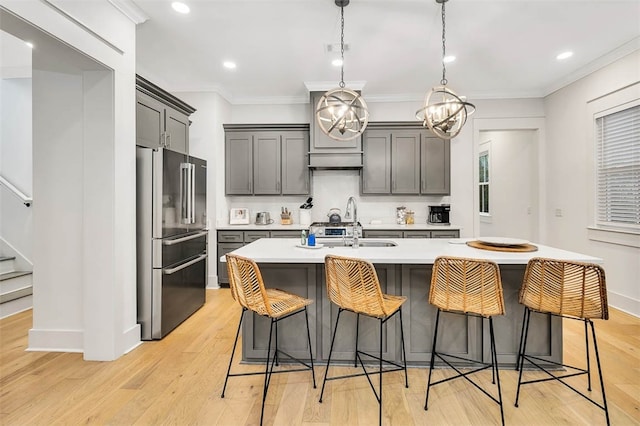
(183, 239)
(192, 195)
(185, 193)
(170, 271)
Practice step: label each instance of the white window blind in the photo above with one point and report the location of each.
(618, 168)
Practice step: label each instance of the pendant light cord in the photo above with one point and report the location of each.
(444, 49)
(342, 47)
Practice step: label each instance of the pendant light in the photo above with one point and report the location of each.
(444, 112)
(341, 113)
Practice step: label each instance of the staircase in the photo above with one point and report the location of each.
(15, 288)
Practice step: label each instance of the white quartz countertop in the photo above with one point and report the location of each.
(365, 226)
(407, 251)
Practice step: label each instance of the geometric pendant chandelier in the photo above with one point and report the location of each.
(341, 113)
(444, 112)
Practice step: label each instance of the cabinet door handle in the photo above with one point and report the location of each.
(168, 139)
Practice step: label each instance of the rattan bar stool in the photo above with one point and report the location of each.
(247, 288)
(466, 287)
(572, 290)
(352, 285)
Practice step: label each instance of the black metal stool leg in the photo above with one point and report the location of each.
(404, 354)
(380, 378)
(433, 355)
(313, 373)
(524, 319)
(267, 373)
(233, 351)
(586, 345)
(524, 351)
(604, 397)
(355, 356)
(494, 360)
(333, 339)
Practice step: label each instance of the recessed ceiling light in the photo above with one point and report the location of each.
(180, 7)
(337, 62)
(564, 55)
(448, 59)
(229, 64)
(28, 43)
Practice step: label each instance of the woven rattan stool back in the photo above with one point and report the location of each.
(466, 285)
(565, 288)
(353, 284)
(247, 287)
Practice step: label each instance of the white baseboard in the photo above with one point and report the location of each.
(131, 339)
(624, 303)
(55, 340)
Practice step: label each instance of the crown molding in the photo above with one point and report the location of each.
(323, 86)
(593, 66)
(130, 10)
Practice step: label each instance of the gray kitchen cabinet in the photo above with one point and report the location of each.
(266, 160)
(435, 166)
(266, 163)
(295, 172)
(417, 234)
(405, 162)
(238, 160)
(394, 233)
(391, 162)
(382, 233)
(376, 162)
(404, 159)
(445, 234)
(162, 120)
(229, 240)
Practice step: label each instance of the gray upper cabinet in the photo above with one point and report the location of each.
(266, 160)
(376, 166)
(162, 120)
(405, 162)
(405, 159)
(266, 163)
(295, 173)
(435, 166)
(238, 149)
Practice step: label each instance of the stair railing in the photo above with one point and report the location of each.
(26, 200)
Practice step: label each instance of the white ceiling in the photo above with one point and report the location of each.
(505, 48)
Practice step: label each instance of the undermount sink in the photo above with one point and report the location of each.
(361, 243)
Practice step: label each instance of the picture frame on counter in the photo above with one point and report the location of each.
(239, 216)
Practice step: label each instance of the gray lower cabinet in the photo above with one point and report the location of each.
(392, 233)
(466, 337)
(405, 159)
(292, 332)
(162, 120)
(270, 161)
(229, 241)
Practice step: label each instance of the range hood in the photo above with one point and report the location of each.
(329, 154)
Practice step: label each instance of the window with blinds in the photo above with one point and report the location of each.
(618, 169)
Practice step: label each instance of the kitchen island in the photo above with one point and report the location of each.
(403, 269)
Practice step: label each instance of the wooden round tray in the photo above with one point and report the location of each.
(516, 248)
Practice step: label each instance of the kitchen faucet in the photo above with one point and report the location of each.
(347, 215)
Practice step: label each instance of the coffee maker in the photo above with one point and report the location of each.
(439, 215)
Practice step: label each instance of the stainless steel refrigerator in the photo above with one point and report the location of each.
(171, 238)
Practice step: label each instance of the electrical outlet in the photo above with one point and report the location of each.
(558, 212)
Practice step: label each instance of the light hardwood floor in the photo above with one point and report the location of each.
(178, 381)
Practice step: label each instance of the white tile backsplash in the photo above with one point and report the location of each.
(332, 188)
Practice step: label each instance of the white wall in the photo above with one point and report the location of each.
(569, 173)
(513, 184)
(84, 279)
(15, 166)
